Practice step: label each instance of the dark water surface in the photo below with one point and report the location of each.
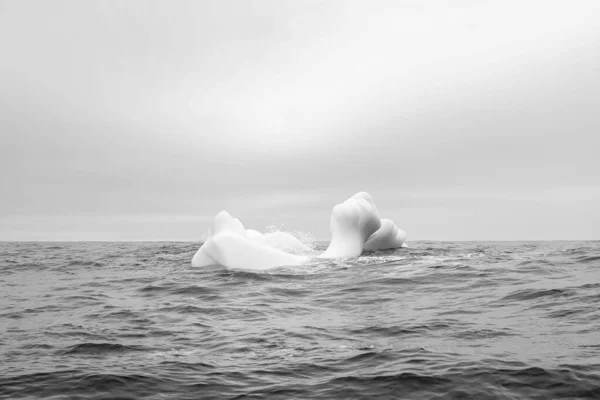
(469, 320)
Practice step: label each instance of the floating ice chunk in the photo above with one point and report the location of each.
(351, 224)
(233, 246)
(278, 240)
(355, 225)
(388, 236)
(201, 258)
(224, 222)
(285, 241)
(235, 251)
(256, 236)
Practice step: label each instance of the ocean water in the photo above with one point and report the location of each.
(439, 320)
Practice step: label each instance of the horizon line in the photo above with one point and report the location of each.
(325, 241)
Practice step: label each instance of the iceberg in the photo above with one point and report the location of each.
(388, 236)
(233, 246)
(285, 241)
(279, 240)
(352, 223)
(355, 226)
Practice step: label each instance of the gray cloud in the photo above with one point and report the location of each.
(475, 120)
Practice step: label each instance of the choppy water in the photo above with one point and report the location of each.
(438, 320)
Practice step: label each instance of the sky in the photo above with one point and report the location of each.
(141, 120)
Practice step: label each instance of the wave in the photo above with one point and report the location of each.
(100, 349)
(423, 322)
(73, 383)
(532, 294)
(588, 259)
(194, 290)
(85, 263)
(308, 381)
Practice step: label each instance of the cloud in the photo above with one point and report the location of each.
(290, 107)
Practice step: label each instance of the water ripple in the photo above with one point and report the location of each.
(439, 320)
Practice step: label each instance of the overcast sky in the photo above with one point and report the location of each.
(140, 120)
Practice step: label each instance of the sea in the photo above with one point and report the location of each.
(437, 320)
